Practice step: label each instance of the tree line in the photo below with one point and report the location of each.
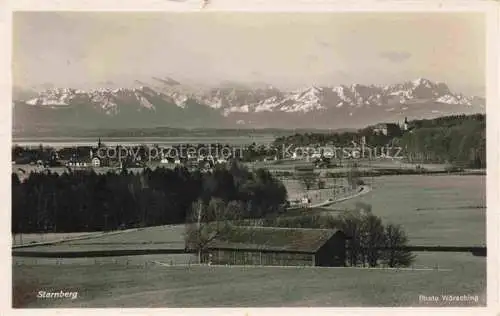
(82, 200)
(457, 140)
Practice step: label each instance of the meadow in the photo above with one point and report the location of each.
(158, 237)
(437, 210)
(27, 239)
(121, 283)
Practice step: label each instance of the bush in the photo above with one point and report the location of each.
(395, 254)
(371, 242)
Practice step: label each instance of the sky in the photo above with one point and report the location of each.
(287, 50)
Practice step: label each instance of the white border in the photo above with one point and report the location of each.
(491, 8)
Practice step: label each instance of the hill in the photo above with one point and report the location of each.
(166, 102)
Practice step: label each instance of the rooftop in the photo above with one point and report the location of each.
(383, 125)
(304, 168)
(274, 239)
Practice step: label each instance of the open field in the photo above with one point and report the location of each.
(26, 239)
(118, 284)
(424, 260)
(158, 237)
(175, 259)
(363, 164)
(290, 165)
(296, 190)
(399, 164)
(446, 210)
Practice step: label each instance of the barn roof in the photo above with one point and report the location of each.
(273, 239)
(309, 167)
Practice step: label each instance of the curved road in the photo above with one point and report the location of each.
(361, 190)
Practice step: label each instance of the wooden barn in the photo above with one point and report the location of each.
(305, 169)
(278, 247)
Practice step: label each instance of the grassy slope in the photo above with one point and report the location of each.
(159, 237)
(434, 210)
(26, 239)
(158, 286)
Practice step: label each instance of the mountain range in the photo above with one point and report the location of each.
(168, 102)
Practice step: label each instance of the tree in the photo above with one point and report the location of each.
(395, 254)
(364, 208)
(321, 184)
(307, 180)
(208, 222)
(350, 222)
(18, 208)
(235, 209)
(353, 179)
(365, 232)
(372, 239)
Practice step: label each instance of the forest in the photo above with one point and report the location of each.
(458, 140)
(81, 201)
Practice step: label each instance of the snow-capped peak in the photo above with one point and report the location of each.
(240, 100)
(420, 81)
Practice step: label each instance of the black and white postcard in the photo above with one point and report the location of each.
(203, 155)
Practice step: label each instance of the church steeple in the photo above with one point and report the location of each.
(405, 124)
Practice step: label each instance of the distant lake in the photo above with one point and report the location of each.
(111, 141)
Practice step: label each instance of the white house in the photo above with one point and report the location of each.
(328, 154)
(96, 162)
(316, 155)
(305, 201)
(221, 161)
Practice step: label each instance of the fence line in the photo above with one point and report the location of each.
(299, 267)
(171, 263)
